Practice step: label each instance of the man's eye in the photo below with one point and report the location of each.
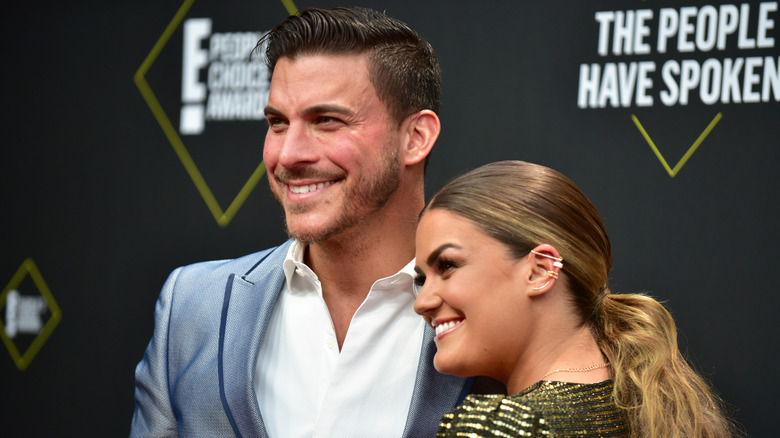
(331, 120)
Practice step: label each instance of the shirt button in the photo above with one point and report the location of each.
(331, 343)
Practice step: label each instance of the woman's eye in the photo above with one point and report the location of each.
(445, 265)
(419, 281)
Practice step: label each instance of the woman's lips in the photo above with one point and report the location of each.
(446, 327)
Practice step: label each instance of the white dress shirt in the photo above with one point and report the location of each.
(306, 388)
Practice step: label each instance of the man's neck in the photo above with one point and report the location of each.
(347, 265)
(350, 263)
(378, 246)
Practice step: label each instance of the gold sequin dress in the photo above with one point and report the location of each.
(546, 409)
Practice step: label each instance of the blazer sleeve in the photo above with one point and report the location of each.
(153, 416)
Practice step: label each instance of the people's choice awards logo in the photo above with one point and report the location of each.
(28, 314)
(236, 86)
(223, 80)
(641, 73)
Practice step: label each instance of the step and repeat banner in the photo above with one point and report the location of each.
(132, 144)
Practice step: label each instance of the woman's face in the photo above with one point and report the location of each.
(472, 293)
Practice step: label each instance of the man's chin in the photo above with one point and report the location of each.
(308, 234)
(314, 231)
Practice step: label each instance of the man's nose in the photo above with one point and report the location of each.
(297, 148)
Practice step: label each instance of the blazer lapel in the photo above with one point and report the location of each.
(248, 304)
(434, 394)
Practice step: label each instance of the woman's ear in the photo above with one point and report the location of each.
(546, 264)
(421, 130)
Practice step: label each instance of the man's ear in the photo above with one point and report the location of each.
(546, 264)
(421, 130)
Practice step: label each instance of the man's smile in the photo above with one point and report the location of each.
(306, 188)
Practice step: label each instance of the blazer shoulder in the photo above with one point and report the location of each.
(212, 275)
(240, 265)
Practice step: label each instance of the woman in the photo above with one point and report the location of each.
(512, 262)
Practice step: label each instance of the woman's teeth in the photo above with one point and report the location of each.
(443, 327)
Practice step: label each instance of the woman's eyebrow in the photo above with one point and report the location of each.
(436, 252)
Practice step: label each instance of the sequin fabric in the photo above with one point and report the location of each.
(546, 409)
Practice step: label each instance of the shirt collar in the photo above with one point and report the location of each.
(293, 262)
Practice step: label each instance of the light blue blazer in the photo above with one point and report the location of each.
(195, 379)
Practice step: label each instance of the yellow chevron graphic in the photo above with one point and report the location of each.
(691, 150)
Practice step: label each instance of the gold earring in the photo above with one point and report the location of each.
(552, 274)
(541, 287)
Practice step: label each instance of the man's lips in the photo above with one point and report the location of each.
(306, 180)
(446, 327)
(306, 188)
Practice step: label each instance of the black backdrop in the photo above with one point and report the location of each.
(95, 194)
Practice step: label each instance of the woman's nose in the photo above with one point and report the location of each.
(427, 301)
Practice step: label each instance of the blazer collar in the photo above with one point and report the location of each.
(434, 395)
(249, 301)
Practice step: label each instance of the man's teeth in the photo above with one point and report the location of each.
(443, 327)
(309, 188)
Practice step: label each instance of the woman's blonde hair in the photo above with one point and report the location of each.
(523, 205)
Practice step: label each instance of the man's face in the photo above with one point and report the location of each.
(331, 151)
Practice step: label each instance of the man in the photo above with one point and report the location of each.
(316, 337)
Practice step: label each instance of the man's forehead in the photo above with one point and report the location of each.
(316, 82)
(326, 71)
(307, 60)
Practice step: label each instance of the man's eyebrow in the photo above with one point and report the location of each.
(273, 111)
(316, 109)
(436, 252)
(325, 108)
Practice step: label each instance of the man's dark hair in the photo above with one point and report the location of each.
(402, 66)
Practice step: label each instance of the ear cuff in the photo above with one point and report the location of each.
(558, 263)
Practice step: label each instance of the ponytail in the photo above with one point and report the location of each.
(660, 392)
